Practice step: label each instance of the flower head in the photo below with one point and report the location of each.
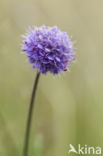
(48, 49)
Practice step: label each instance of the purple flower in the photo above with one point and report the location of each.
(48, 49)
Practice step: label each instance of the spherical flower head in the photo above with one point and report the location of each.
(48, 49)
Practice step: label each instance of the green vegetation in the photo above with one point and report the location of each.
(69, 109)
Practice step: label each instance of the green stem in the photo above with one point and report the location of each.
(30, 114)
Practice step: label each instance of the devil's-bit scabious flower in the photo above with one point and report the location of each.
(48, 49)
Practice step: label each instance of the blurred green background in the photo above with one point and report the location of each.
(69, 109)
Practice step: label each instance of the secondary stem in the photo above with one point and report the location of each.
(26, 143)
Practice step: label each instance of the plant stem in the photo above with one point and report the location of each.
(30, 114)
